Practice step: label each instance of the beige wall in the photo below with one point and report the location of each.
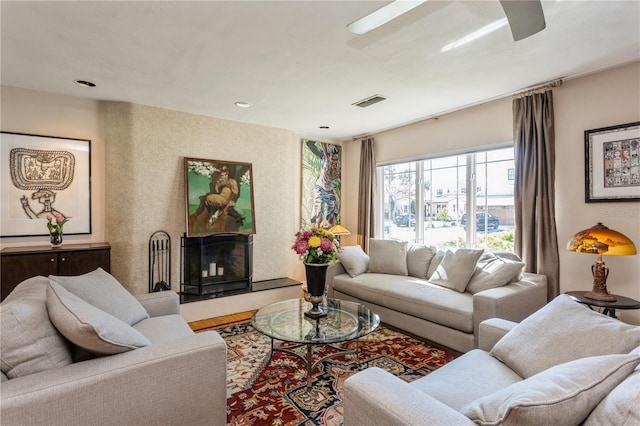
(607, 98)
(604, 99)
(145, 153)
(27, 111)
(138, 182)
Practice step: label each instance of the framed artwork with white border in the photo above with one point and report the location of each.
(40, 176)
(612, 163)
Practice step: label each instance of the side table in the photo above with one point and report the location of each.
(609, 307)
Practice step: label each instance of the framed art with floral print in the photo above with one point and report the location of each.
(321, 184)
(44, 175)
(612, 163)
(219, 197)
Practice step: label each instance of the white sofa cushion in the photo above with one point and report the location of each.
(456, 269)
(418, 260)
(102, 290)
(621, 405)
(462, 381)
(89, 327)
(388, 257)
(354, 260)
(29, 341)
(411, 296)
(572, 331)
(567, 391)
(493, 271)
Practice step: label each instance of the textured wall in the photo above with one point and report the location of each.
(145, 191)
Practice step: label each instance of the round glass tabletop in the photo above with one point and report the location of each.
(286, 321)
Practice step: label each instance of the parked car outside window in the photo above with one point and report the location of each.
(492, 221)
(406, 220)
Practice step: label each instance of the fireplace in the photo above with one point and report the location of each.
(215, 265)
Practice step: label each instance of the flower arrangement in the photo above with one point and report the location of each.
(55, 228)
(316, 245)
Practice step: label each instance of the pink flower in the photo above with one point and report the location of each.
(301, 246)
(326, 244)
(59, 217)
(49, 217)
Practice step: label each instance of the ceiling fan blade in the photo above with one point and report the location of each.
(383, 15)
(525, 17)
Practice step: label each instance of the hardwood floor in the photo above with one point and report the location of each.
(225, 319)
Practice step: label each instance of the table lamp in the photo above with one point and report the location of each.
(339, 230)
(601, 240)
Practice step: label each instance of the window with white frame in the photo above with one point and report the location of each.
(428, 201)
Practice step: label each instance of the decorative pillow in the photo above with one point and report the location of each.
(456, 269)
(354, 260)
(388, 257)
(88, 327)
(435, 262)
(29, 342)
(562, 331)
(102, 290)
(493, 271)
(620, 406)
(567, 391)
(418, 259)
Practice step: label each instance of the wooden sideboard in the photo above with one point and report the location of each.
(20, 263)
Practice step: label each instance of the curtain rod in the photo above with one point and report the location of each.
(525, 92)
(539, 89)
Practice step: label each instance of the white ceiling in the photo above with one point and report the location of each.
(296, 62)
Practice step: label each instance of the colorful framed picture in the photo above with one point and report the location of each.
(321, 184)
(219, 197)
(612, 163)
(44, 175)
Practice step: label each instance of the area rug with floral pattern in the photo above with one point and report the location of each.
(271, 389)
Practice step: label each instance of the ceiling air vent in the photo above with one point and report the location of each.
(369, 101)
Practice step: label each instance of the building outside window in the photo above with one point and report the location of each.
(428, 201)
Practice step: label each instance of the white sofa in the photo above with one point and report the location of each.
(83, 351)
(440, 296)
(563, 365)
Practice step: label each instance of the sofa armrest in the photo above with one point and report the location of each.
(173, 383)
(375, 397)
(334, 269)
(491, 331)
(514, 301)
(160, 303)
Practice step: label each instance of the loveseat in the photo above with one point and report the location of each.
(563, 365)
(442, 296)
(83, 351)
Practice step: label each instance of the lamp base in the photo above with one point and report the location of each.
(599, 291)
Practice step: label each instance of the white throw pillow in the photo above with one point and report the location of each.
(388, 257)
(354, 260)
(562, 331)
(102, 290)
(88, 327)
(493, 271)
(564, 394)
(456, 269)
(418, 260)
(29, 341)
(435, 262)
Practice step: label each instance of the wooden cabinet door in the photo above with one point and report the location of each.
(81, 262)
(18, 268)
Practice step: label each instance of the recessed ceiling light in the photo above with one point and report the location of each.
(243, 104)
(323, 127)
(84, 83)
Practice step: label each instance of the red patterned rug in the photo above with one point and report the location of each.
(264, 391)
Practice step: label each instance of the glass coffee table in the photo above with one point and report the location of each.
(285, 321)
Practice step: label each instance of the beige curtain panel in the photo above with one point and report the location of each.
(367, 191)
(536, 240)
